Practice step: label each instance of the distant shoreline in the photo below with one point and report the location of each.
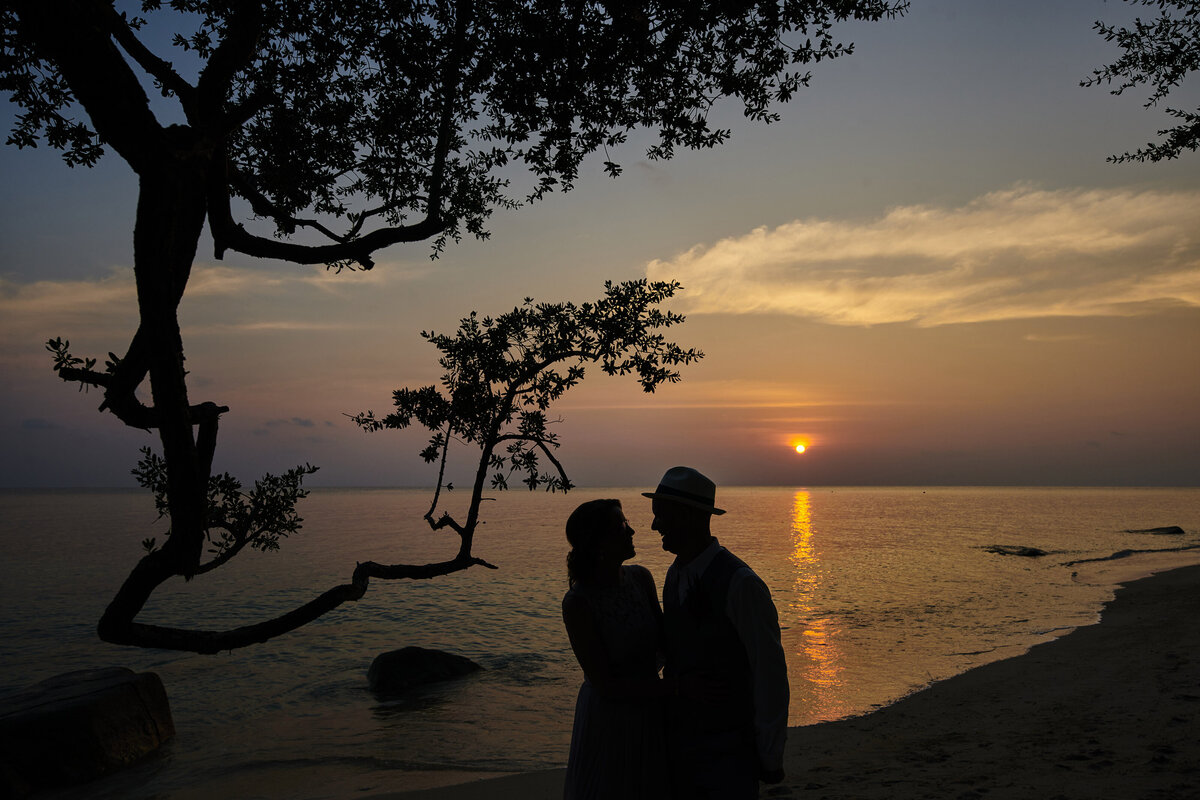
(647, 487)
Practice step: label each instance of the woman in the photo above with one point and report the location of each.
(614, 623)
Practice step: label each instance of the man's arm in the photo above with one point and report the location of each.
(753, 614)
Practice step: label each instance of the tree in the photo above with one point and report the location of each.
(335, 129)
(503, 373)
(1158, 54)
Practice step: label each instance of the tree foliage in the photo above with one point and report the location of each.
(1158, 54)
(503, 373)
(331, 116)
(321, 131)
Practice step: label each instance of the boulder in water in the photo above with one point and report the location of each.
(78, 726)
(399, 670)
(1014, 550)
(1168, 530)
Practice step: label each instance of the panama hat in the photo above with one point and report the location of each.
(687, 486)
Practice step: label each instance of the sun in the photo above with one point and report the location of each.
(800, 448)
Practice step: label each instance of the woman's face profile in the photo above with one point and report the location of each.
(621, 535)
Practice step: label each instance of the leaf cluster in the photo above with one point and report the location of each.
(35, 85)
(66, 362)
(501, 374)
(1158, 54)
(258, 518)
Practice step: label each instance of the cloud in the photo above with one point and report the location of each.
(1012, 254)
(107, 305)
(299, 422)
(39, 299)
(205, 281)
(272, 426)
(1055, 338)
(215, 280)
(284, 326)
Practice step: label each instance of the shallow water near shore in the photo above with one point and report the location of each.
(880, 592)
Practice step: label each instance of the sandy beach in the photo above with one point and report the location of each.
(1108, 711)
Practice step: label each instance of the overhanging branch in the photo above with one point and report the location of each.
(121, 629)
(125, 406)
(229, 235)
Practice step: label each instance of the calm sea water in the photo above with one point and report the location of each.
(880, 592)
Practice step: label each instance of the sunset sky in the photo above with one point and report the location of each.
(926, 272)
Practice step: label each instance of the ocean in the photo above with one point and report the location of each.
(880, 591)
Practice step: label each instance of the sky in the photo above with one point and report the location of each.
(926, 272)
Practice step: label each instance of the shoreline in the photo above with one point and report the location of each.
(1107, 710)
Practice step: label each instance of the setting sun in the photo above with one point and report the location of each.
(800, 448)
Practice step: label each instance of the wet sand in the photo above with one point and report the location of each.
(1107, 711)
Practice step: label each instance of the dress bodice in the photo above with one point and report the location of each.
(628, 621)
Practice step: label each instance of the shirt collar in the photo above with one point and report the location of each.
(695, 568)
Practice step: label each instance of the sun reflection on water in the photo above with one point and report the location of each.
(815, 659)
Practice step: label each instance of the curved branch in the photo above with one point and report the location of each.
(541, 445)
(445, 521)
(262, 206)
(127, 408)
(562, 473)
(229, 235)
(441, 476)
(223, 557)
(118, 628)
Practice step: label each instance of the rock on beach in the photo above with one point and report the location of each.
(75, 727)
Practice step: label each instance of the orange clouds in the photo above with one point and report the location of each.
(1012, 254)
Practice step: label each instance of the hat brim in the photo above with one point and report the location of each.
(684, 501)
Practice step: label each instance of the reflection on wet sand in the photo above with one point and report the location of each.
(814, 660)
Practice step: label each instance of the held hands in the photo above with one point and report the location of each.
(700, 686)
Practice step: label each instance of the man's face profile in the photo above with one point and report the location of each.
(671, 522)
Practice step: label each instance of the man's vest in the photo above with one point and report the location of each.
(702, 639)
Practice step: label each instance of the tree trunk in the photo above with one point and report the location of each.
(170, 219)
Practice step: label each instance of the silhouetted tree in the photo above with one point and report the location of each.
(1158, 54)
(502, 374)
(337, 128)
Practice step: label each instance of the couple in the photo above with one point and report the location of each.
(714, 725)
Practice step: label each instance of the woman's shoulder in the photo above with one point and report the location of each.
(638, 572)
(574, 597)
(641, 576)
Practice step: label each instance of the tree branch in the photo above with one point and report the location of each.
(562, 473)
(122, 630)
(229, 235)
(236, 51)
(262, 206)
(464, 16)
(437, 492)
(158, 68)
(126, 407)
(224, 556)
(75, 34)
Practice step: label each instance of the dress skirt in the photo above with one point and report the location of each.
(617, 751)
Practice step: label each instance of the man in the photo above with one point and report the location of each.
(722, 632)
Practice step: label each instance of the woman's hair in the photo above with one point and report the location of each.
(584, 527)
